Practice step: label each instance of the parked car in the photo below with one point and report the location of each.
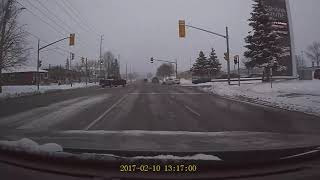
(317, 74)
(198, 80)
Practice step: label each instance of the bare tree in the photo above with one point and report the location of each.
(13, 50)
(313, 52)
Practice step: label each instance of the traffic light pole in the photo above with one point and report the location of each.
(38, 58)
(228, 54)
(228, 46)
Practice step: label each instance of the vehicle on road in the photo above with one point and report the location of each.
(199, 79)
(112, 82)
(317, 74)
(155, 80)
(145, 80)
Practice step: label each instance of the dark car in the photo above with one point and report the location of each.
(198, 80)
(155, 80)
(317, 74)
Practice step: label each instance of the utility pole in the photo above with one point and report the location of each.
(176, 68)
(101, 39)
(126, 71)
(228, 54)
(38, 64)
(86, 71)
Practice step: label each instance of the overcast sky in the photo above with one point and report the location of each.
(139, 29)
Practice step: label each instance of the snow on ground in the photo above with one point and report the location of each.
(16, 91)
(29, 145)
(297, 95)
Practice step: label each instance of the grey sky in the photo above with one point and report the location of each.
(139, 29)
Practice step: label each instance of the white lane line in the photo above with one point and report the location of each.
(105, 113)
(191, 110)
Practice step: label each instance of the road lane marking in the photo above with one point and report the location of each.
(191, 110)
(105, 113)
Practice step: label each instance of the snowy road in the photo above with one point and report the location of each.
(149, 107)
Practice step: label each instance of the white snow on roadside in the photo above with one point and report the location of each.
(16, 91)
(169, 157)
(29, 145)
(297, 95)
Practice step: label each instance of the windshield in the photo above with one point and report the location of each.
(166, 76)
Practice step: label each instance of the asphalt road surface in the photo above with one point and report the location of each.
(146, 106)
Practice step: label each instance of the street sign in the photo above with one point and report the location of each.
(182, 29)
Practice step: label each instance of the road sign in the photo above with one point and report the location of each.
(182, 29)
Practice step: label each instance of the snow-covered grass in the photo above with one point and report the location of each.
(303, 96)
(16, 91)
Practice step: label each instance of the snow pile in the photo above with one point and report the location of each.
(28, 145)
(205, 157)
(171, 157)
(303, 96)
(16, 91)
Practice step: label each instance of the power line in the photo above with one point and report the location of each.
(78, 14)
(44, 14)
(59, 19)
(62, 6)
(52, 27)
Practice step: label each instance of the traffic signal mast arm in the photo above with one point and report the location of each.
(206, 31)
(53, 43)
(172, 62)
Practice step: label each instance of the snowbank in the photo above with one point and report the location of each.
(52, 149)
(303, 96)
(28, 145)
(16, 91)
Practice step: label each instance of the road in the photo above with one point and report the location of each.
(150, 107)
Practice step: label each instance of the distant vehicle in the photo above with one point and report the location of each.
(317, 74)
(145, 80)
(112, 82)
(176, 81)
(155, 80)
(169, 81)
(198, 79)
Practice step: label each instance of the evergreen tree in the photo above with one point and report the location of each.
(264, 48)
(200, 66)
(213, 64)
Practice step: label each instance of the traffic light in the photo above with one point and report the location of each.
(72, 56)
(236, 59)
(182, 29)
(40, 64)
(101, 62)
(226, 57)
(152, 60)
(72, 39)
(82, 60)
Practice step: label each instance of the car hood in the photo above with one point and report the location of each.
(168, 141)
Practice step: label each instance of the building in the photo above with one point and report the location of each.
(23, 75)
